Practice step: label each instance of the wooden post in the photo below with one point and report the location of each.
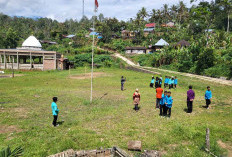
(17, 60)
(207, 140)
(4, 60)
(69, 69)
(55, 61)
(12, 66)
(43, 61)
(30, 61)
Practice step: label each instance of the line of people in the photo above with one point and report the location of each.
(169, 82)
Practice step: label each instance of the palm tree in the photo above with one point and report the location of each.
(153, 16)
(174, 12)
(143, 13)
(165, 12)
(227, 6)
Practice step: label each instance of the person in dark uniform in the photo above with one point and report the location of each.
(123, 80)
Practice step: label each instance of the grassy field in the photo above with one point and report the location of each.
(25, 114)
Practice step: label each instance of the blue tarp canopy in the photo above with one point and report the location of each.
(70, 36)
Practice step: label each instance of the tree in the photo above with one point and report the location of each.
(226, 6)
(11, 40)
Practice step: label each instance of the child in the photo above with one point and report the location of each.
(175, 82)
(208, 97)
(122, 83)
(159, 92)
(156, 82)
(55, 111)
(162, 104)
(152, 82)
(136, 99)
(160, 80)
(168, 103)
(170, 83)
(166, 82)
(190, 98)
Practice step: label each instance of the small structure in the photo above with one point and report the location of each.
(169, 24)
(182, 43)
(160, 44)
(128, 34)
(135, 50)
(48, 42)
(149, 28)
(29, 56)
(63, 63)
(71, 36)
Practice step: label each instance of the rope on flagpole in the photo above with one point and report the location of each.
(91, 95)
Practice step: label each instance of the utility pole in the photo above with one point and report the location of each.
(83, 9)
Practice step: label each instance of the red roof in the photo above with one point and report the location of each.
(150, 25)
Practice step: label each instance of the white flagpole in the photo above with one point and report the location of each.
(91, 95)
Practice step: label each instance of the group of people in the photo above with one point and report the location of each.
(164, 99)
(169, 82)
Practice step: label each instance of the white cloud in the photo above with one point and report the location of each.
(66, 9)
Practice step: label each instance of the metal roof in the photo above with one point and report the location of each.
(161, 42)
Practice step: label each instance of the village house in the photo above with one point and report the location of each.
(182, 43)
(30, 56)
(149, 28)
(135, 50)
(158, 46)
(127, 34)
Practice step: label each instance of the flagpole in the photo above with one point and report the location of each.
(91, 95)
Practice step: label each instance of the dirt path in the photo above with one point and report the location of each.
(205, 78)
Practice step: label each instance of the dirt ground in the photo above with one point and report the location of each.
(88, 75)
(225, 146)
(9, 129)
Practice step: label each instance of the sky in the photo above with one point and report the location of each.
(72, 9)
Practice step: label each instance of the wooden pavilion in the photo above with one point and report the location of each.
(29, 56)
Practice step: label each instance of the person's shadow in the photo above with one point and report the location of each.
(186, 110)
(60, 123)
(204, 106)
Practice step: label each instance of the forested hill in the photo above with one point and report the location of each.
(205, 26)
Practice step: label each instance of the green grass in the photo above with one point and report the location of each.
(109, 121)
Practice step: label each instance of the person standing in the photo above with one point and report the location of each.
(152, 82)
(170, 83)
(190, 98)
(159, 92)
(208, 97)
(156, 82)
(166, 82)
(163, 109)
(168, 103)
(55, 111)
(175, 82)
(136, 99)
(123, 80)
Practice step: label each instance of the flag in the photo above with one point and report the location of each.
(96, 5)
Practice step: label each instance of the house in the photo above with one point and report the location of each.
(29, 56)
(95, 34)
(135, 50)
(149, 28)
(182, 43)
(169, 24)
(127, 34)
(160, 44)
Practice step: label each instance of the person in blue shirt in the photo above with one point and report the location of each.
(166, 82)
(162, 104)
(55, 111)
(152, 82)
(170, 83)
(208, 97)
(175, 82)
(168, 103)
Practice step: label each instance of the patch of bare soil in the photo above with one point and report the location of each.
(225, 146)
(88, 75)
(9, 129)
(20, 112)
(9, 75)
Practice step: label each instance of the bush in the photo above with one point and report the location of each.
(86, 58)
(218, 71)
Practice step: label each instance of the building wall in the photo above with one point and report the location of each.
(135, 51)
(49, 64)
